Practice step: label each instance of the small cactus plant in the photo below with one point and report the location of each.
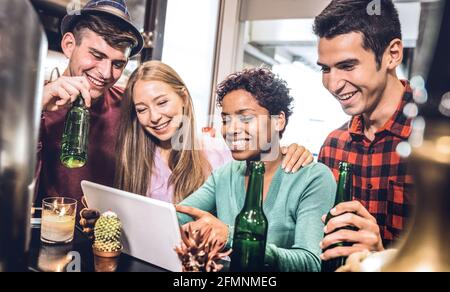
(108, 229)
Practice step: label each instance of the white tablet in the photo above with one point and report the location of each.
(150, 227)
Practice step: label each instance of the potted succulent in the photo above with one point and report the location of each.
(107, 246)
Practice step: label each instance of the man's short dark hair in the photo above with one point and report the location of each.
(116, 34)
(270, 91)
(346, 16)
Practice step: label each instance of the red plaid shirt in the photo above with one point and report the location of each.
(381, 181)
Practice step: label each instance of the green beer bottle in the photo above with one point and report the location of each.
(343, 194)
(250, 233)
(75, 137)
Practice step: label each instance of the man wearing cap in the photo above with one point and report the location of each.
(98, 40)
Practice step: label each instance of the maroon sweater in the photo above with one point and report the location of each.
(53, 179)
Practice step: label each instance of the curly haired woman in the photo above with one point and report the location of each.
(256, 107)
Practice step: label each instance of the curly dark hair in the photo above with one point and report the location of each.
(268, 89)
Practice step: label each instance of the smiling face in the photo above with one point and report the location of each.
(159, 109)
(247, 127)
(93, 58)
(350, 73)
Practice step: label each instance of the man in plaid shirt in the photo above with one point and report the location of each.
(359, 52)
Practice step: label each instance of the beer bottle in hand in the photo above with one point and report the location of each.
(343, 194)
(250, 233)
(75, 137)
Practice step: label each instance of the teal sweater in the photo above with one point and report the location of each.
(294, 206)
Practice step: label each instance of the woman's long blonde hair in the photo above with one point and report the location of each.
(136, 148)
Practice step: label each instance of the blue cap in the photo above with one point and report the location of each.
(113, 8)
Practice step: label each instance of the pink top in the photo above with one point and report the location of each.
(216, 152)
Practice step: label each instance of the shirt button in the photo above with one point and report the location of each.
(372, 151)
(370, 186)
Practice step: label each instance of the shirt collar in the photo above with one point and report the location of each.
(398, 125)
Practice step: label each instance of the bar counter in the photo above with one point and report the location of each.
(77, 257)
